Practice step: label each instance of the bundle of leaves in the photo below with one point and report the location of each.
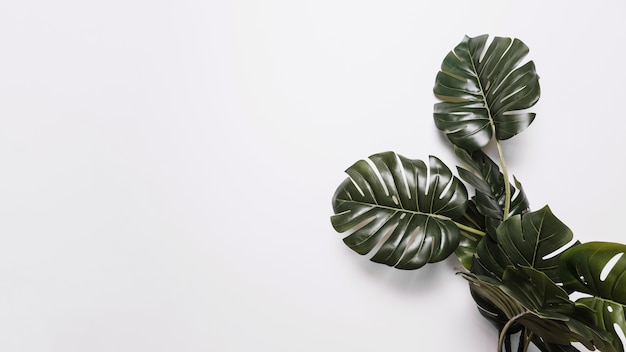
(523, 266)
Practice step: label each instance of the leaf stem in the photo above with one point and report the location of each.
(528, 335)
(469, 229)
(507, 185)
(506, 328)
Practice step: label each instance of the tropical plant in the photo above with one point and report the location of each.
(524, 267)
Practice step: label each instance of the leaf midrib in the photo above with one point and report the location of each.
(412, 212)
(482, 91)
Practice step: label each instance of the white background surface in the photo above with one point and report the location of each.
(166, 167)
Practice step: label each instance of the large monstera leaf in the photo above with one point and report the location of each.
(402, 207)
(485, 90)
(599, 269)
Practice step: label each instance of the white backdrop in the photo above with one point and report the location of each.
(166, 167)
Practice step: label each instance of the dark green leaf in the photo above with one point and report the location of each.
(609, 314)
(401, 206)
(485, 176)
(582, 268)
(492, 258)
(537, 293)
(487, 304)
(529, 298)
(489, 290)
(481, 96)
(469, 241)
(599, 269)
(532, 239)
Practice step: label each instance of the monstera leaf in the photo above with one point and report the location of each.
(610, 316)
(599, 269)
(485, 91)
(402, 207)
(533, 239)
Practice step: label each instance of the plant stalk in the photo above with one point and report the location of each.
(470, 229)
(506, 328)
(528, 336)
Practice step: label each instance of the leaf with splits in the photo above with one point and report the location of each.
(485, 90)
(400, 208)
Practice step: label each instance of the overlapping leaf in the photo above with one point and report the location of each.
(487, 206)
(469, 241)
(599, 269)
(533, 239)
(402, 207)
(485, 176)
(485, 90)
(528, 297)
(583, 265)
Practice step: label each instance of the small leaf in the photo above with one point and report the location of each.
(531, 240)
(401, 206)
(483, 95)
(485, 176)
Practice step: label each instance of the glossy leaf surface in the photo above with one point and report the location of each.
(599, 269)
(401, 207)
(582, 270)
(608, 315)
(469, 241)
(533, 239)
(484, 90)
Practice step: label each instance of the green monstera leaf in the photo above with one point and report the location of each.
(485, 91)
(610, 316)
(535, 239)
(582, 269)
(402, 207)
(599, 269)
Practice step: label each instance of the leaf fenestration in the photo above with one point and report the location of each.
(402, 207)
(483, 96)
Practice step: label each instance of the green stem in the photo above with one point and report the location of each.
(528, 335)
(470, 229)
(507, 185)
